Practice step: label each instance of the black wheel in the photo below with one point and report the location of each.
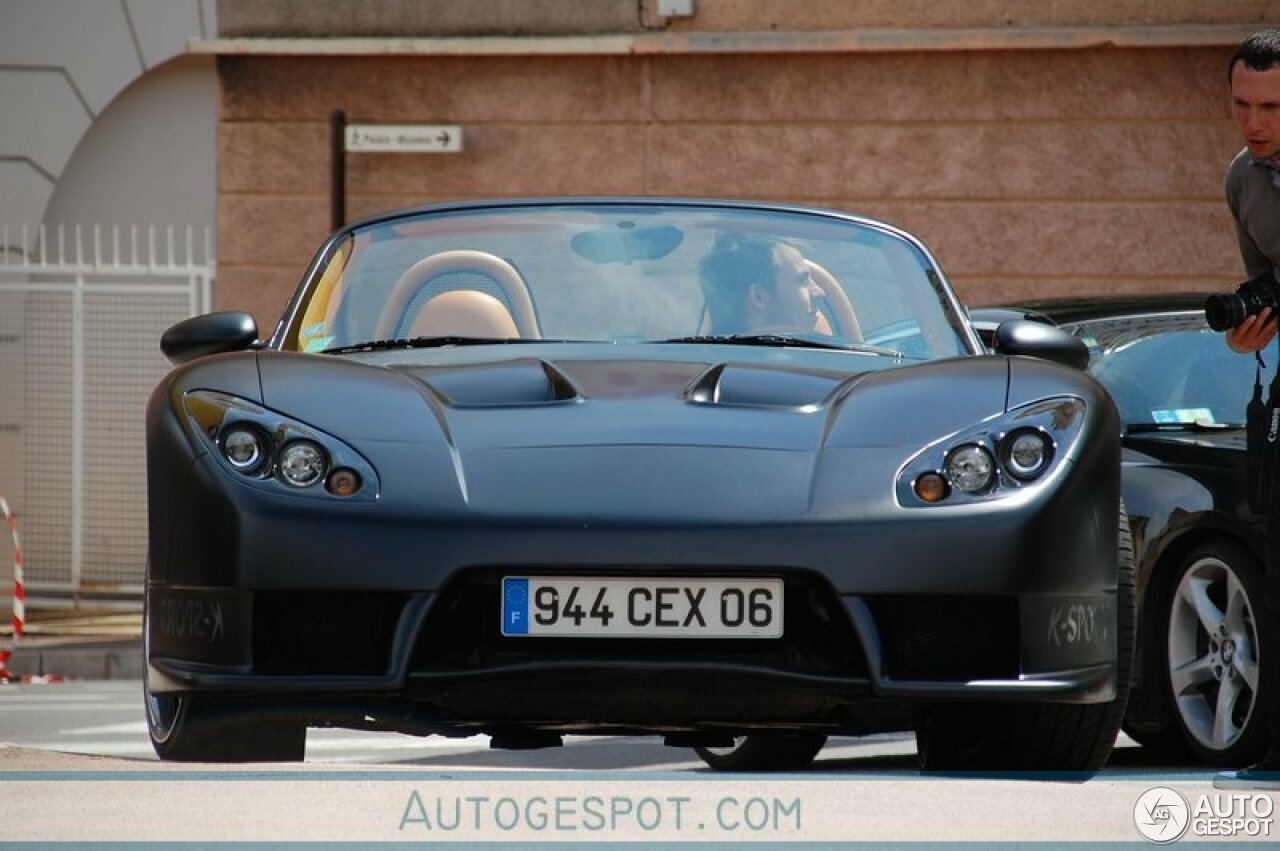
(184, 729)
(784, 752)
(1216, 675)
(1039, 736)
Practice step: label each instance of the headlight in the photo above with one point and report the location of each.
(302, 464)
(971, 469)
(270, 451)
(243, 448)
(1026, 453)
(997, 457)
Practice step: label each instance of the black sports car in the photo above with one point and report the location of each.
(740, 475)
(1202, 680)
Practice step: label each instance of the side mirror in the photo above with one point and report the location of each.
(209, 334)
(1025, 337)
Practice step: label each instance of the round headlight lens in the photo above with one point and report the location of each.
(243, 449)
(302, 463)
(971, 469)
(1026, 454)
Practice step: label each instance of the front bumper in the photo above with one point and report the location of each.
(338, 614)
(439, 659)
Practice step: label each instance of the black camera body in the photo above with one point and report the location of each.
(1224, 312)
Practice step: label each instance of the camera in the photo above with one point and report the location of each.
(1224, 312)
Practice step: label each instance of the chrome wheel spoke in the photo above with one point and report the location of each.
(1189, 676)
(1195, 593)
(1239, 615)
(1247, 668)
(1225, 730)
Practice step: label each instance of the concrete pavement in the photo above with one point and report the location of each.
(77, 645)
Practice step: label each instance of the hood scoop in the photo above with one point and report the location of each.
(531, 382)
(764, 387)
(526, 381)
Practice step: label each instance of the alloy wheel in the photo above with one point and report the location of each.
(1213, 659)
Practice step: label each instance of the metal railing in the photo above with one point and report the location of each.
(81, 313)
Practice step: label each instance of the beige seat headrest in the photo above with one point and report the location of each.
(464, 313)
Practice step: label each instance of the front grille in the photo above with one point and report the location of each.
(324, 632)
(463, 632)
(933, 637)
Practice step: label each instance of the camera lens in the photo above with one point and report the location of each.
(1224, 311)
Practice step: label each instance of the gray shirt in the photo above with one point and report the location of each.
(1255, 203)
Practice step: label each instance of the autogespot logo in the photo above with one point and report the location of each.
(1161, 815)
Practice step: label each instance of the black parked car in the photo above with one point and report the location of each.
(741, 475)
(1201, 680)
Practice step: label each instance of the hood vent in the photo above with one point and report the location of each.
(725, 384)
(527, 381)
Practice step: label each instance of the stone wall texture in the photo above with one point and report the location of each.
(1029, 173)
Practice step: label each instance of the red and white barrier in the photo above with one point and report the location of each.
(19, 591)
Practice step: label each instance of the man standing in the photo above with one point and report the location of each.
(1253, 193)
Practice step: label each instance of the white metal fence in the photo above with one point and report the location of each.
(81, 314)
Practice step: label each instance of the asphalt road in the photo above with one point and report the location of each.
(75, 765)
(105, 718)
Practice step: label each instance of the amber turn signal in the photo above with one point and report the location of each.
(931, 487)
(343, 482)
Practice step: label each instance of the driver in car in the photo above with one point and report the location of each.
(755, 285)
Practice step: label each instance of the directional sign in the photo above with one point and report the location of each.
(404, 138)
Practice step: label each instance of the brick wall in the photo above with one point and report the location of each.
(1027, 172)
(1039, 148)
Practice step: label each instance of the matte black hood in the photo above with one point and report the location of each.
(531, 401)
(609, 439)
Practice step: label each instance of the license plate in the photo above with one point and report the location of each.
(657, 607)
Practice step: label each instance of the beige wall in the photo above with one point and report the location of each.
(1029, 173)
(65, 67)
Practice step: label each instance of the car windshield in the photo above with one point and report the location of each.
(1170, 369)
(626, 272)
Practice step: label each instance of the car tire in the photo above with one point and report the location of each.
(1216, 674)
(1164, 741)
(789, 752)
(185, 729)
(1039, 736)
(1149, 717)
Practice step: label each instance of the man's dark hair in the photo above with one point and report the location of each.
(1258, 52)
(735, 262)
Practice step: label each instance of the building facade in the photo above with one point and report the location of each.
(1039, 149)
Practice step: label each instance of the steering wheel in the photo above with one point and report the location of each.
(460, 260)
(846, 321)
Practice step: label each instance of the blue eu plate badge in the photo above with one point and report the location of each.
(515, 606)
